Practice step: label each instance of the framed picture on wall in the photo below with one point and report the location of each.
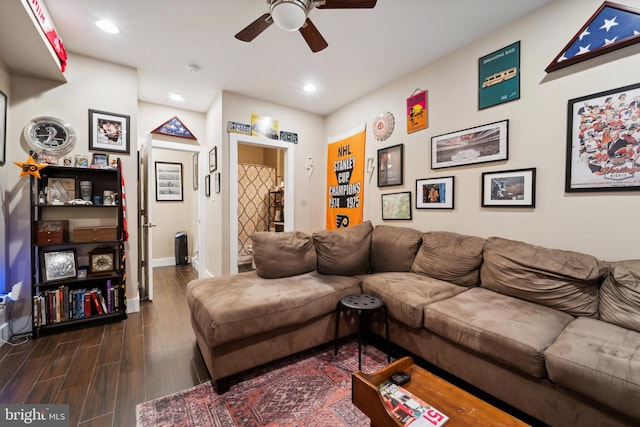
(480, 144)
(434, 193)
(396, 206)
(168, 182)
(499, 76)
(207, 185)
(108, 132)
(3, 127)
(513, 188)
(390, 167)
(213, 159)
(602, 141)
(195, 171)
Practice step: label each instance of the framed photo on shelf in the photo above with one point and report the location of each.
(108, 132)
(100, 160)
(168, 182)
(602, 149)
(513, 188)
(213, 159)
(3, 127)
(390, 167)
(480, 144)
(58, 265)
(434, 193)
(207, 185)
(60, 190)
(396, 206)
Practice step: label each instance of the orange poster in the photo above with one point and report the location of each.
(417, 112)
(345, 180)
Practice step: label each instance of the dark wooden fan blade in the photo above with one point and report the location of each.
(254, 29)
(313, 37)
(348, 4)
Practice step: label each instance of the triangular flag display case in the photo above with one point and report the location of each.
(174, 127)
(613, 26)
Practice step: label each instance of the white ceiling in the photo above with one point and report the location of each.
(368, 48)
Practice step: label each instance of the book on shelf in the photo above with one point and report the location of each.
(409, 409)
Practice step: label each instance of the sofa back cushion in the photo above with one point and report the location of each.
(283, 254)
(564, 280)
(394, 248)
(344, 252)
(620, 295)
(451, 257)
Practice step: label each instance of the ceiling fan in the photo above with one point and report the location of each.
(292, 15)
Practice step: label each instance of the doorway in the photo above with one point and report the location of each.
(147, 197)
(286, 151)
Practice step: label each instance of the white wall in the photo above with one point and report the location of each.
(92, 84)
(309, 193)
(537, 137)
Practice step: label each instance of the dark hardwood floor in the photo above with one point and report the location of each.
(104, 371)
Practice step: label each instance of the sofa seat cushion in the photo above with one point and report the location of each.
(406, 294)
(503, 328)
(564, 280)
(229, 308)
(598, 360)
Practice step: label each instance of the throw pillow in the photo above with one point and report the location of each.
(283, 254)
(394, 248)
(451, 257)
(620, 295)
(560, 279)
(344, 252)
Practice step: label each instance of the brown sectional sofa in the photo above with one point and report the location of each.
(553, 333)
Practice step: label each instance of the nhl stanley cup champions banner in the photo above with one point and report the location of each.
(345, 180)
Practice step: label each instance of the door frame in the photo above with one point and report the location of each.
(202, 243)
(234, 140)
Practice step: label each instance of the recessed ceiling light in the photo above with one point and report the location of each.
(176, 97)
(310, 88)
(107, 26)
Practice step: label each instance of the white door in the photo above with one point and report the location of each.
(146, 215)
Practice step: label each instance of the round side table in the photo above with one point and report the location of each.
(363, 304)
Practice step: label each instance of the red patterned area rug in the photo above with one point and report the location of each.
(312, 388)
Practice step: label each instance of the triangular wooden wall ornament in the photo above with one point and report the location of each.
(613, 26)
(174, 127)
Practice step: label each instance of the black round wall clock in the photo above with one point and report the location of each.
(50, 135)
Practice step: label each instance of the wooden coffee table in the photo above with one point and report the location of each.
(462, 408)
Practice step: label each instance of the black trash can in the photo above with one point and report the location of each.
(182, 255)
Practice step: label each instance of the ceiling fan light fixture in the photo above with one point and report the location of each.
(289, 15)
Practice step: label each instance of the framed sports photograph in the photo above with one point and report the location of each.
(480, 144)
(513, 188)
(108, 132)
(213, 159)
(58, 265)
(434, 193)
(100, 160)
(168, 181)
(396, 206)
(603, 141)
(390, 167)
